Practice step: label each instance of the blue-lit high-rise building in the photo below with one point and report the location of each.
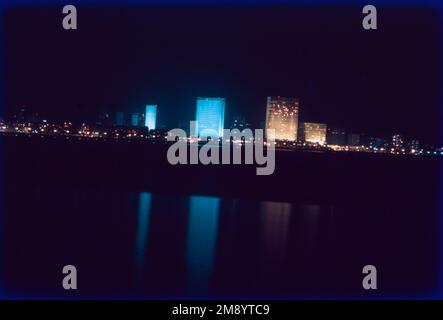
(150, 116)
(134, 119)
(210, 116)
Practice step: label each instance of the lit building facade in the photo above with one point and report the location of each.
(135, 119)
(119, 118)
(151, 116)
(210, 117)
(314, 132)
(282, 116)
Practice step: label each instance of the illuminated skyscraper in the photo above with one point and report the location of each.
(282, 115)
(150, 116)
(210, 116)
(314, 132)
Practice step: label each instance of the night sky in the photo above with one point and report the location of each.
(122, 58)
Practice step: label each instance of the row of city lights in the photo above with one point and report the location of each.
(68, 129)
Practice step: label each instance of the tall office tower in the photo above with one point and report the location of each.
(314, 132)
(210, 117)
(282, 116)
(134, 119)
(150, 116)
(119, 118)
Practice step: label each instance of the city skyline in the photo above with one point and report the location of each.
(281, 114)
(142, 117)
(334, 69)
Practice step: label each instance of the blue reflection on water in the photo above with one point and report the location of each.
(201, 242)
(144, 212)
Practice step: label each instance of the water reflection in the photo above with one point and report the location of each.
(308, 225)
(179, 246)
(144, 212)
(201, 242)
(274, 229)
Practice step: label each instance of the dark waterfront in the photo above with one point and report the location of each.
(134, 226)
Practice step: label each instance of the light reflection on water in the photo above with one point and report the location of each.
(201, 241)
(156, 245)
(144, 213)
(274, 228)
(202, 232)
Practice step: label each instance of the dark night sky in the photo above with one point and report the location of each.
(122, 58)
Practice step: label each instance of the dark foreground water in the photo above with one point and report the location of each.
(162, 246)
(136, 227)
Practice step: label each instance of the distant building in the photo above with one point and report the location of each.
(104, 119)
(336, 136)
(414, 146)
(135, 119)
(24, 115)
(314, 132)
(21, 116)
(240, 123)
(184, 125)
(210, 117)
(151, 116)
(120, 119)
(354, 139)
(397, 141)
(282, 116)
(378, 144)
